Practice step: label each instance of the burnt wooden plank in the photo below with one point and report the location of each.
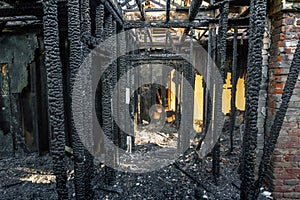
(203, 22)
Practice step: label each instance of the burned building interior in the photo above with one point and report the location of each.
(150, 99)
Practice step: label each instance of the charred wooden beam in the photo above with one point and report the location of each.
(149, 35)
(75, 58)
(162, 57)
(201, 35)
(199, 183)
(194, 9)
(99, 21)
(148, 10)
(233, 89)
(34, 9)
(173, 24)
(170, 39)
(88, 162)
(18, 18)
(122, 85)
(141, 9)
(213, 6)
(222, 42)
(209, 82)
(29, 9)
(55, 96)
(168, 6)
(178, 8)
(178, 99)
(254, 70)
(113, 10)
(108, 127)
(216, 161)
(145, 40)
(203, 22)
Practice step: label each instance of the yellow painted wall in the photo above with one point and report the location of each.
(240, 94)
(199, 98)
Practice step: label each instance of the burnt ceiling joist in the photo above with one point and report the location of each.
(114, 10)
(204, 22)
(156, 57)
(27, 11)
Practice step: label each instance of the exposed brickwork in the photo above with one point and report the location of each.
(285, 166)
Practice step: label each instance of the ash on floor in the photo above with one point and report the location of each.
(32, 178)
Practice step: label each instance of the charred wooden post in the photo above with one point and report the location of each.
(220, 61)
(233, 89)
(99, 21)
(145, 39)
(74, 35)
(186, 126)
(43, 142)
(211, 57)
(223, 26)
(279, 118)
(141, 9)
(164, 79)
(123, 88)
(168, 7)
(221, 58)
(178, 96)
(108, 128)
(115, 108)
(130, 102)
(194, 9)
(113, 10)
(254, 70)
(87, 41)
(55, 96)
(216, 161)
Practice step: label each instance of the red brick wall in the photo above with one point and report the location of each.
(285, 166)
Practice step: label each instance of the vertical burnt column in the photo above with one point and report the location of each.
(130, 81)
(208, 84)
(114, 77)
(254, 69)
(123, 89)
(99, 21)
(178, 95)
(233, 89)
(43, 132)
(222, 39)
(107, 120)
(186, 128)
(99, 34)
(55, 96)
(221, 58)
(87, 42)
(74, 34)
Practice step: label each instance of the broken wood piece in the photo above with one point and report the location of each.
(112, 189)
(191, 177)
